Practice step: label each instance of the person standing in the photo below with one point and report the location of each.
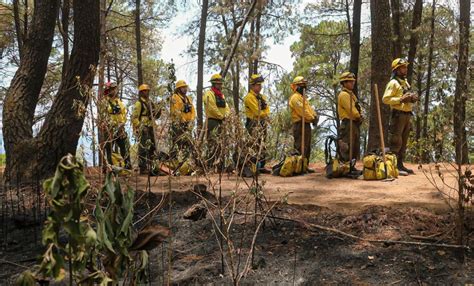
(400, 98)
(116, 119)
(348, 109)
(183, 115)
(216, 109)
(257, 114)
(142, 123)
(300, 108)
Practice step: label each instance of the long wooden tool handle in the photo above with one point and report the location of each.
(379, 119)
(350, 131)
(302, 123)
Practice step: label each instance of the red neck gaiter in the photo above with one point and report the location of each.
(217, 92)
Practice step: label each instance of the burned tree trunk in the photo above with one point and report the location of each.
(397, 31)
(138, 39)
(415, 25)
(381, 62)
(23, 94)
(460, 95)
(355, 39)
(31, 158)
(424, 134)
(200, 80)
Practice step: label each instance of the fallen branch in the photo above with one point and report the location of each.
(312, 226)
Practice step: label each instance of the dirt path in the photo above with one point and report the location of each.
(342, 195)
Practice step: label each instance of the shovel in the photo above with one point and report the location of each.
(382, 142)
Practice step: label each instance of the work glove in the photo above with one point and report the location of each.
(414, 97)
(405, 98)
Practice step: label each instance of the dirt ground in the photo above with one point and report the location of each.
(288, 251)
(341, 195)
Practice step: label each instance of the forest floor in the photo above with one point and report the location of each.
(289, 249)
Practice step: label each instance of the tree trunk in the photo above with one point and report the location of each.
(460, 95)
(200, 74)
(424, 134)
(237, 39)
(397, 32)
(236, 87)
(22, 96)
(355, 40)
(258, 26)
(25, 18)
(31, 158)
(65, 9)
(380, 66)
(19, 33)
(414, 32)
(138, 39)
(100, 90)
(251, 39)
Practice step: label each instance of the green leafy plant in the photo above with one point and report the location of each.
(106, 254)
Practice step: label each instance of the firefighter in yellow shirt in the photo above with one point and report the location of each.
(257, 114)
(217, 110)
(183, 115)
(348, 110)
(399, 96)
(299, 86)
(142, 123)
(116, 119)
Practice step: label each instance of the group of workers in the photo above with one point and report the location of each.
(257, 112)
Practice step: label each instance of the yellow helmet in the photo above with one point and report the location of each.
(347, 76)
(299, 80)
(143, 87)
(256, 79)
(181, 83)
(398, 62)
(216, 78)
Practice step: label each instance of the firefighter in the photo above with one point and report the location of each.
(257, 114)
(183, 115)
(116, 119)
(348, 110)
(142, 123)
(217, 110)
(299, 86)
(399, 96)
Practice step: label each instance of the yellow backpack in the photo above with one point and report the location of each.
(335, 168)
(183, 168)
(374, 167)
(290, 166)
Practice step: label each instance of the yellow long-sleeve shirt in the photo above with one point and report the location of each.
(117, 112)
(252, 106)
(394, 92)
(211, 108)
(178, 113)
(296, 108)
(141, 115)
(345, 99)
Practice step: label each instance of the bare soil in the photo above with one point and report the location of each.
(288, 251)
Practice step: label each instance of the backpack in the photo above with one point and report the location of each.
(291, 165)
(335, 168)
(374, 167)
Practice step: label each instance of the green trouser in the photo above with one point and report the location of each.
(181, 139)
(400, 126)
(214, 132)
(146, 147)
(258, 133)
(121, 140)
(344, 135)
(297, 135)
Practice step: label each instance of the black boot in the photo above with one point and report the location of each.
(402, 170)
